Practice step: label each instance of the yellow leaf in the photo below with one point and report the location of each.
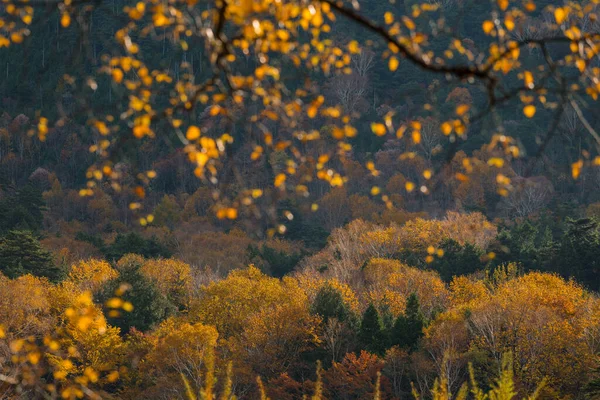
(117, 75)
(576, 168)
(16, 37)
(462, 109)
(378, 129)
(581, 65)
(65, 20)
(409, 186)
(416, 137)
(400, 131)
(353, 47)
(528, 77)
(393, 64)
(496, 162)
(529, 111)
(560, 15)
(530, 6)
(446, 128)
(509, 23)
(388, 17)
(232, 213)
(193, 133)
(279, 180)
(375, 190)
(409, 23)
(488, 26)
(503, 4)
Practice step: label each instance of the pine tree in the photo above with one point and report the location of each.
(371, 335)
(21, 253)
(408, 328)
(579, 254)
(149, 305)
(328, 303)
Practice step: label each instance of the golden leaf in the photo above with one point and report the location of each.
(462, 109)
(560, 15)
(193, 133)
(279, 180)
(378, 129)
(393, 64)
(446, 128)
(529, 111)
(488, 26)
(576, 168)
(65, 20)
(388, 17)
(353, 47)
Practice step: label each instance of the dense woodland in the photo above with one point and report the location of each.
(407, 253)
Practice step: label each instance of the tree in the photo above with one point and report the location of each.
(371, 334)
(136, 244)
(458, 260)
(408, 328)
(150, 306)
(91, 274)
(579, 253)
(354, 377)
(179, 349)
(167, 212)
(22, 210)
(21, 253)
(277, 262)
(329, 303)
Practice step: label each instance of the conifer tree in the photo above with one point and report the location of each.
(21, 253)
(371, 335)
(408, 328)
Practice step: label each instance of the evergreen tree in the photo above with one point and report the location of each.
(328, 303)
(579, 254)
(274, 262)
(458, 260)
(408, 328)
(22, 210)
(21, 253)
(149, 306)
(136, 244)
(371, 335)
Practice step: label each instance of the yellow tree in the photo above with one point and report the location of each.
(266, 321)
(178, 349)
(172, 277)
(91, 274)
(545, 322)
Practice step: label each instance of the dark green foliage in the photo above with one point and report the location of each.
(529, 244)
(458, 260)
(21, 253)
(371, 335)
(408, 328)
(94, 240)
(301, 229)
(136, 244)
(275, 262)
(329, 303)
(579, 254)
(22, 210)
(149, 306)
